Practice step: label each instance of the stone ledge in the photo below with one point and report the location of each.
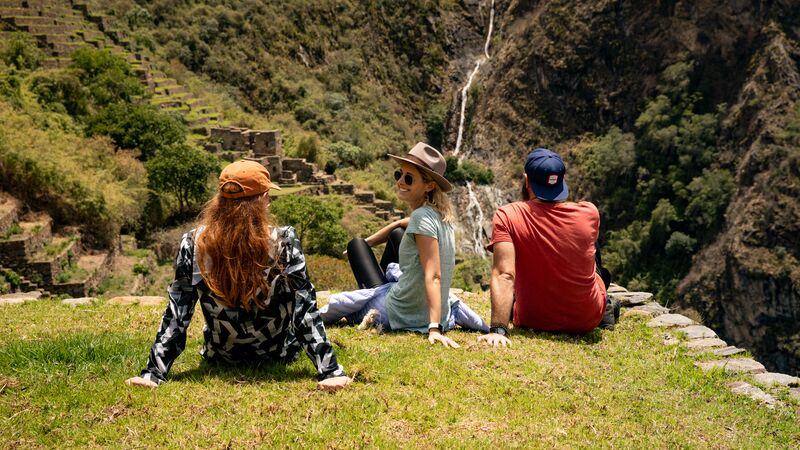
(631, 298)
(776, 379)
(734, 365)
(20, 297)
(79, 301)
(742, 388)
(670, 320)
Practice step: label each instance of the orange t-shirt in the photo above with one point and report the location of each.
(557, 287)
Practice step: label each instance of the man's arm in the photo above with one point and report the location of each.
(502, 291)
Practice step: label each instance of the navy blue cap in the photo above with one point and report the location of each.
(545, 171)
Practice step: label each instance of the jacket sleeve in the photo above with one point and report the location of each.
(306, 324)
(171, 337)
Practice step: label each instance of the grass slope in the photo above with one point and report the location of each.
(62, 372)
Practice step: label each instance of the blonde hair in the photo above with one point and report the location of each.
(438, 200)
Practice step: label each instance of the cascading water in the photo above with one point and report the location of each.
(474, 211)
(477, 232)
(465, 89)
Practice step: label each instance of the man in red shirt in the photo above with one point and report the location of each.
(545, 258)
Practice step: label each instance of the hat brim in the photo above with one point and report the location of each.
(440, 180)
(555, 193)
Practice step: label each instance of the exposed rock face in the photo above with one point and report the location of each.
(563, 68)
(747, 284)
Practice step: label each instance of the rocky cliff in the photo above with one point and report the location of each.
(563, 69)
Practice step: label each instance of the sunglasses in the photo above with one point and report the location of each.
(407, 178)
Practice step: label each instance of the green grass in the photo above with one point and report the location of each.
(62, 372)
(13, 230)
(288, 190)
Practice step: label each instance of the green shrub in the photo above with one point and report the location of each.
(108, 78)
(134, 126)
(316, 220)
(20, 51)
(10, 89)
(350, 154)
(61, 91)
(13, 278)
(13, 230)
(141, 269)
(92, 63)
(680, 245)
(709, 195)
(435, 120)
(183, 171)
(308, 148)
(473, 274)
(137, 17)
(467, 171)
(76, 180)
(610, 156)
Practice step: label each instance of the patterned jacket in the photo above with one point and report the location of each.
(275, 333)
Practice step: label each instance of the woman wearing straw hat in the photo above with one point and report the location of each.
(252, 284)
(409, 289)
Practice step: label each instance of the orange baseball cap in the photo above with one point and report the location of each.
(251, 176)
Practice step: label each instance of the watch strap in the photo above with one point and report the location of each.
(499, 329)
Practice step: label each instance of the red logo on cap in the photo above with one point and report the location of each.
(552, 180)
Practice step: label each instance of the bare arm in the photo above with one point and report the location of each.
(431, 268)
(502, 290)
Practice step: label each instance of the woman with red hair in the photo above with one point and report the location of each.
(251, 280)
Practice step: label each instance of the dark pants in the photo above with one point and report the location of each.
(602, 271)
(365, 267)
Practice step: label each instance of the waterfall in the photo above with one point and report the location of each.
(474, 211)
(464, 106)
(465, 89)
(477, 232)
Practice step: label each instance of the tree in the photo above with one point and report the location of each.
(133, 126)
(183, 171)
(21, 52)
(318, 222)
(60, 91)
(107, 77)
(350, 154)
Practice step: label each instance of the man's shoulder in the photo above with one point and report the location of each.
(513, 208)
(583, 207)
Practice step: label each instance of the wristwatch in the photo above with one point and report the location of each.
(499, 329)
(433, 325)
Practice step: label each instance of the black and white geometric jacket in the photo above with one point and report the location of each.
(275, 333)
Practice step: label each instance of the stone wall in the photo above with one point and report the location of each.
(260, 142)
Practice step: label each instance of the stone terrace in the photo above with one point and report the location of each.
(62, 26)
(39, 260)
(264, 146)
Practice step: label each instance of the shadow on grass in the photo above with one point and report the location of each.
(591, 338)
(246, 372)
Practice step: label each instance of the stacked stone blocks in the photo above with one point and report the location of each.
(25, 253)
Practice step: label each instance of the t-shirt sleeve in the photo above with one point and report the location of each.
(592, 217)
(424, 222)
(501, 230)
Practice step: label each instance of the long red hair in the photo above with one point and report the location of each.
(237, 243)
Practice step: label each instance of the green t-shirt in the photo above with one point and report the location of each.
(406, 303)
